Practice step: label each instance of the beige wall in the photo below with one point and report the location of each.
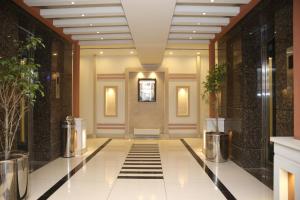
(146, 115)
(90, 88)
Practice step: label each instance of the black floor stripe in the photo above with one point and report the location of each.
(142, 163)
(141, 167)
(139, 157)
(142, 160)
(140, 177)
(140, 172)
(211, 175)
(57, 185)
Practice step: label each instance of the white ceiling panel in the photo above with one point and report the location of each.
(195, 10)
(70, 2)
(191, 36)
(107, 42)
(188, 41)
(197, 21)
(125, 36)
(97, 30)
(213, 1)
(106, 11)
(198, 29)
(83, 22)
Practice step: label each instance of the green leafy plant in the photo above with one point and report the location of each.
(213, 85)
(18, 83)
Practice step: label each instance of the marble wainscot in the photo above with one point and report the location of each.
(286, 168)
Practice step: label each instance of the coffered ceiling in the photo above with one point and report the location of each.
(152, 27)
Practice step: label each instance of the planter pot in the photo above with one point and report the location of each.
(14, 177)
(217, 146)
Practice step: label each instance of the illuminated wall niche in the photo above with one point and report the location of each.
(110, 101)
(182, 101)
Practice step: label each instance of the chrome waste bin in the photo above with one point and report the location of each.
(68, 137)
(217, 149)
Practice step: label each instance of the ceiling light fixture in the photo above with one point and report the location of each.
(91, 24)
(101, 52)
(54, 54)
(194, 31)
(199, 23)
(212, 1)
(98, 32)
(204, 13)
(72, 2)
(131, 52)
(171, 53)
(82, 15)
(102, 38)
(190, 38)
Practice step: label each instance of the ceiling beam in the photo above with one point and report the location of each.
(97, 30)
(107, 42)
(196, 10)
(83, 22)
(35, 12)
(188, 41)
(123, 36)
(106, 11)
(245, 9)
(70, 2)
(191, 36)
(196, 21)
(198, 29)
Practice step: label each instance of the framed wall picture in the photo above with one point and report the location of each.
(182, 101)
(147, 90)
(110, 101)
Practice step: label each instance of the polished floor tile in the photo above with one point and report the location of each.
(128, 170)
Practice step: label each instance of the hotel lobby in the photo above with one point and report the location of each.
(150, 100)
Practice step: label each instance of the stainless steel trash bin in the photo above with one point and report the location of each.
(217, 149)
(68, 141)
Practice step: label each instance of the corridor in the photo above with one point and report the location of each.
(119, 169)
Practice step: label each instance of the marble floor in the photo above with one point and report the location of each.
(144, 170)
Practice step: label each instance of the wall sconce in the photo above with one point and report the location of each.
(55, 76)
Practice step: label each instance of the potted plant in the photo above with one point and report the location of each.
(216, 141)
(18, 82)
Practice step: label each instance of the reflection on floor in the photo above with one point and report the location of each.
(144, 170)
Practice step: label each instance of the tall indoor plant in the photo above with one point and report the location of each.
(18, 82)
(213, 86)
(216, 142)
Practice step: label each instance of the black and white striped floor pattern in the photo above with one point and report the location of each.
(142, 162)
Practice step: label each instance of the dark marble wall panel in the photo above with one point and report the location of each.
(44, 132)
(244, 48)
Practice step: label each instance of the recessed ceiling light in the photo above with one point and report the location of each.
(72, 2)
(54, 54)
(194, 31)
(199, 23)
(190, 38)
(198, 53)
(102, 38)
(131, 52)
(204, 13)
(101, 52)
(91, 24)
(82, 15)
(98, 32)
(171, 53)
(212, 1)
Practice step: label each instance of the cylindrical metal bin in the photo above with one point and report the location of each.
(217, 149)
(68, 141)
